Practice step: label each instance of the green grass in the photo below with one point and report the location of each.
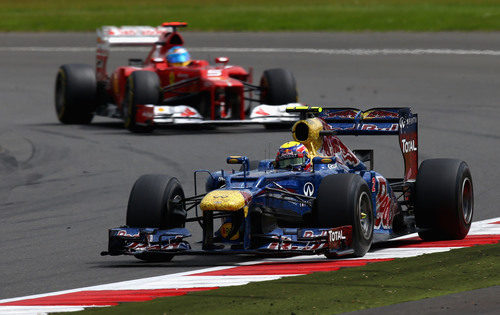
(345, 290)
(254, 15)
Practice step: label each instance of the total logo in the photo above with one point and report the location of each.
(408, 146)
(335, 236)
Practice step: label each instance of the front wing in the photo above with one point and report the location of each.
(187, 115)
(289, 241)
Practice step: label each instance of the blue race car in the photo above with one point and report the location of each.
(316, 197)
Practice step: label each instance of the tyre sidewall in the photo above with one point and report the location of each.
(75, 94)
(278, 87)
(439, 199)
(142, 87)
(337, 205)
(150, 203)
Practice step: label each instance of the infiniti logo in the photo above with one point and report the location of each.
(308, 189)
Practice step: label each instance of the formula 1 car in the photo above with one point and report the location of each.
(338, 207)
(154, 91)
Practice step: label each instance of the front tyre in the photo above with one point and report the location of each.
(278, 87)
(444, 201)
(156, 201)
(344, 199)
(75, 94)
(142, 87)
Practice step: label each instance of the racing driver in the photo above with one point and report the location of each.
(293, 156)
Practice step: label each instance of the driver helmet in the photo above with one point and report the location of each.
(178, 56)
(293, 155)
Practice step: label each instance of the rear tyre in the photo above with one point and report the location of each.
(142, 87)
(444, 201)
(344, 199)
(75, 95)
(278, 87)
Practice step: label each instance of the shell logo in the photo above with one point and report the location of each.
(225, 229)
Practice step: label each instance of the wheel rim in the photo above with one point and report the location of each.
(365, 215)
(467, 202)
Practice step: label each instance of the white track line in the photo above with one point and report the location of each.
(348, 52)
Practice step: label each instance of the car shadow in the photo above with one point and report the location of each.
(182, 261)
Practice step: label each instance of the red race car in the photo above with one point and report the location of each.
(168, 87)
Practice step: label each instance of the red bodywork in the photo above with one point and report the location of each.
(198, 76)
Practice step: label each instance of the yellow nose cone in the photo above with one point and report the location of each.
(223, 200)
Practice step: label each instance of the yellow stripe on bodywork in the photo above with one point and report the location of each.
(223, 200)
(319, 109)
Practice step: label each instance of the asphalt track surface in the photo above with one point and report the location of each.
(62, 187)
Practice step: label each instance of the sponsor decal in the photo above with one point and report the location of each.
(262, 112)
(405, 122)
(225, 229)
(291, 246)
(393, 127)
(334, 236)
(308, 189)
(308, 234)
(384, 205)
(408, 146)
(344, 114)
(379, 114)
(214, 73)
(187, 113)
(312, 234)
(332, 146)
(126, 234)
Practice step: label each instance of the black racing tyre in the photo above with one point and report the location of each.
(233, 102)
(142, 87)
(345, 199)
(75, 94)
(278, 87)
(156, 202)
(444, 199)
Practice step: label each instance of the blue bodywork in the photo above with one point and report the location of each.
(283, 200)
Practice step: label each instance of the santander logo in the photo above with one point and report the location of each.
(188, 113)
(262, 112)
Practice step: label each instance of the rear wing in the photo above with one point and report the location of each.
(130, 35)
(352, 121)
(112, 36)
(375, 121)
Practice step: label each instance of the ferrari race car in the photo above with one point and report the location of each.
(168, 87)
(337, 206)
